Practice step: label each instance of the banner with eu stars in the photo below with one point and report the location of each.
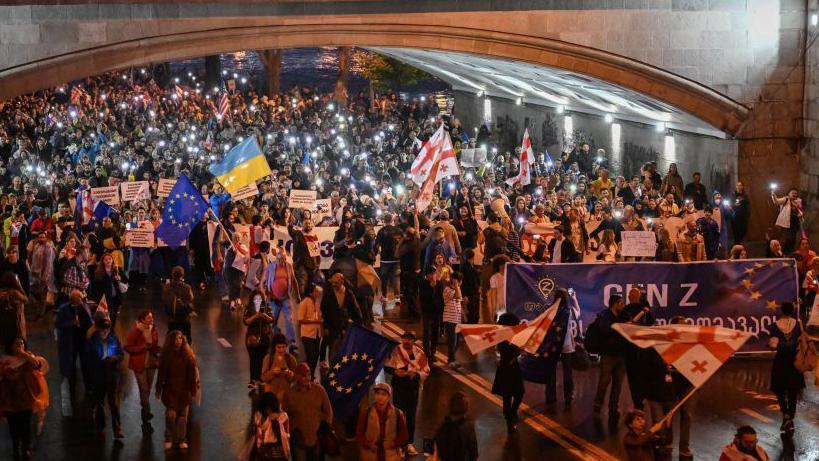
(359, 360)
(183, 209)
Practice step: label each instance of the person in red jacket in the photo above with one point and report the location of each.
(142, 345)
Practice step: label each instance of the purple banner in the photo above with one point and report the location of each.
(744, 295)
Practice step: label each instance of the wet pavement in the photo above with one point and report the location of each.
(736, 395)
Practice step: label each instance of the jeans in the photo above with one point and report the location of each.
(311, 352)
(451, 340)
(20, 429)
(108, 393)
(511, 403)
(409, 292)
(313, 453)
(660, 409)
(612, 371)
(255, 356)
(176, 425)
(431, 326)
(282, 309)
(568, 381)
(145, 381)
(390, 272)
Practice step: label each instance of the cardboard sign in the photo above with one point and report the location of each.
(243, 230)
(109, 195)
(165, 187)
(323, 209)
(135, 190)
(305, 199)
(139, 238)
(246, 192)
(638, 243)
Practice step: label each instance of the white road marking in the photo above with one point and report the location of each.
(224, 342)
(579, 447)
(65, 398)
(756, 415)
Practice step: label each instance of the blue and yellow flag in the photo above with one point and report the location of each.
(184, 208)
(242, 165)
(359, 360)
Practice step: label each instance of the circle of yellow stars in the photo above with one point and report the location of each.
(748, 284)
(332, 377)
(183, 222)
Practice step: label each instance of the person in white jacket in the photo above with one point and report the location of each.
(788, 222)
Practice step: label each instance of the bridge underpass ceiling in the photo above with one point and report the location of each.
(547, 86)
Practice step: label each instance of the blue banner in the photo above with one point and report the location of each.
(744, 295)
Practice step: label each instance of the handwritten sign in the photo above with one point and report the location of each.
(305, 199)
(246, 192)
(134, 190)
(165, 187)
(139, 238)
(638, 243)
(323, 209)
(109, 195)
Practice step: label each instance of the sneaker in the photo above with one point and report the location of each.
(688, 454)
(411, 450)
(168, 445)
(183, 446)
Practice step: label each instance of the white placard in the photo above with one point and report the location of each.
(134, 190)
(109, 195)
(323, 209)
(474, 158)
(638, 243)
(165, 187)
(305, 199)
(139, 238)
(246, 192)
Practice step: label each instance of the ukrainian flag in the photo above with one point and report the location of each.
(242, 165)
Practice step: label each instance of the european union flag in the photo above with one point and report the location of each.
(355, 367)
(184, 208)
(242, 165)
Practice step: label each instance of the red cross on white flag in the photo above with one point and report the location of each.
(696, 352)
(527, 158)
(102, 305)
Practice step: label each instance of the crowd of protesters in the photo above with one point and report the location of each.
(125, 127)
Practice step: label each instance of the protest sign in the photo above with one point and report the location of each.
(139, 238)
(109, 195)
(638, 243)
(248, 191)
(134, 190)
(305, 199)
(165, 187)
(322, 210)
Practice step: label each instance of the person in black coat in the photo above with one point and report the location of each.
(637, 311)
(455, 439)
(109, 281)
(786, 380)
(470, 288)
(431, 296)
(337, 314)
(568, 253)
(508, 381)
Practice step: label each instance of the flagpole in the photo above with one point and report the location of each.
(670, 414)
(229, 234)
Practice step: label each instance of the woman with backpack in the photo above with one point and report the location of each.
(786, 380)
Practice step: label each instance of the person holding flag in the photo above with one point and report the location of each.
(527, 159)
(435, 162)
(183, 210)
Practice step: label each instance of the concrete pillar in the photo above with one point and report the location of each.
(213, 71)
(272, 60)
(343, 77)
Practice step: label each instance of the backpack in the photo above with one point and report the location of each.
(594, 337)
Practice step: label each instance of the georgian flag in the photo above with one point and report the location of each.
(527, 159)
(696, 352)
(528, 336)
(439, 146)
(102, 304)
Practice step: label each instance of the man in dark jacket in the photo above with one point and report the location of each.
(455, 438)
(695, 192)
(561, 250)
(637, 311)
(306, 256)
(612, 364)
(432, 309)
(338, 307)
(409, 254)
(104, 354)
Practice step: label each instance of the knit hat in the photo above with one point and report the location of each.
(383, 387)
